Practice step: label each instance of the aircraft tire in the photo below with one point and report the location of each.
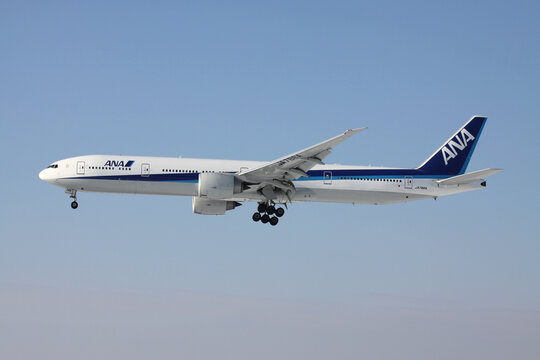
(274, 220)
(256, 216)
(262, 207)
(265, 218)
(280, 212)
(270, 210)
(74, 205)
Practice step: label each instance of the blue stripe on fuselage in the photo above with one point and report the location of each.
(380, 173)
(314, 175)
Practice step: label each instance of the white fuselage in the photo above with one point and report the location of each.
(179, 176)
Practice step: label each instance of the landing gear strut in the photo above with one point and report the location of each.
(73, 195)
(265, 211)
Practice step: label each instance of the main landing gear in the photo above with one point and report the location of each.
(73, 195)
(265, 211)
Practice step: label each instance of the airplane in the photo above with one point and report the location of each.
(218, 186)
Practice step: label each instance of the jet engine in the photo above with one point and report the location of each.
(219, 186)
(212, 207)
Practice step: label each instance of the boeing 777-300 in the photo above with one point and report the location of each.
(221, 185)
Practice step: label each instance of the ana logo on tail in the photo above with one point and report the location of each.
(459, 142)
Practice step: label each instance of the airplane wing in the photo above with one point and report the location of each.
(469, 177)
(295, 165)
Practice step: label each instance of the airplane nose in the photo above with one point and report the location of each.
(42, 174)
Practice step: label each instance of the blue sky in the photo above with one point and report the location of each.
(255, 81)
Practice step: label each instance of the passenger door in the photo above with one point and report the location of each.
(80, 167)
(145, 170)
(408, 182)
(327, 178)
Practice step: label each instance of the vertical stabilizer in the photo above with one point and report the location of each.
(454, 155)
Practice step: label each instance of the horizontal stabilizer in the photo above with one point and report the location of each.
(469, 177)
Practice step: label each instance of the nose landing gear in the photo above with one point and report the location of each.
(73, 195)
(265, 211)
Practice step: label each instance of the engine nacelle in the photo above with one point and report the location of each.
(212, 207)
(218, 186)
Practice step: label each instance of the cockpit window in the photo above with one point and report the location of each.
(53, 166)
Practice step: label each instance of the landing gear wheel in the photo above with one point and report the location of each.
(280, 212)
(73, 195)
(274, 220)
(256, 216)
(265, 218)
(262, 207)
(271, 210)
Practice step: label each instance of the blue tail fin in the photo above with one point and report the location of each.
(453, 156)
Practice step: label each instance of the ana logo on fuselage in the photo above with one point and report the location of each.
(115, 163)
(459, 142)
